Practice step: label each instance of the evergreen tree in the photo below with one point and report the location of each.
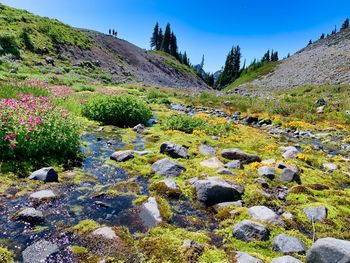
(166, 39)
(266, 57)
(173, 45)
(185, 59)
(160, 39)
(110, 31)
(202, 63)
(322, 36)
(155, 37)
(232, 67)
(310, 42)
(345, 24)
(113, 32)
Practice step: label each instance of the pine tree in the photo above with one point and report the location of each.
(322, 36)
(232, 67)
(345, 24)
(185, 59)
(155, 37)
(310, 42)
(160, 39)
(173, 45)
(113, 32)
(202, 63)
(166, 39)
(266, 57)
(110, 31)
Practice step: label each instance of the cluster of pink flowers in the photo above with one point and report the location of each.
(61, 91)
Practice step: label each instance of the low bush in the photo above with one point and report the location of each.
(122, 111)
(34, 131)
(8, 45)
(184, 123)
(157, 96)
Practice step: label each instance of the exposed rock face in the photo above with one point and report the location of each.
(150, 213)
(214, 190)
(43, 196)
(286, 259)
(30, 215)
(237, 154)
(242, 257)
(39, 252)
(174, 150)
(247, 231)
(329, 250)
(267, 171)
(264, 214)
(167, 167)
(315, 213)
(46, 175)
(288, 244)
(214, 163)
(122, 156)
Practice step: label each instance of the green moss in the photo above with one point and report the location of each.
(164, 208)
(84, 227)
(6, 256)
(78, 250)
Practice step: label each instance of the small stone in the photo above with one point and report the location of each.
(47, 175)
(248, 231)
(42, 196)
(174, 150)
(288, 215)
(225, 171)
(30, 215)
(192, 250)
(290, 154)
(237, 154)
(106, 233)
(264, 214)
(315, 213)
(167, 167)
(122, 156)
(50, 60)
(262, 182)
(320, 109)
(39, 252)
(150, 213)
(242, 257)
(235, 164)
(142, 153)
(288, 244)
(212, 163)
(286, 259)
(268, 161)
(289, 175)
(207, 150)
(139, 128)
(330, 166)
(219, 206)
(267, 171)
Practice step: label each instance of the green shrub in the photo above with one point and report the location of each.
(184, 123)
(122, 111)
(156, 96)
(8, 45)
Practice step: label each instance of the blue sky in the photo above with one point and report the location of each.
(204, 27)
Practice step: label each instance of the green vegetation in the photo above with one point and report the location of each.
(84, 227)
(5, 256)
(122, 111)
(184, 123)
(8, 45)
(11, 90)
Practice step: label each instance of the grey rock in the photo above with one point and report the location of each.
(262, 182)
(39, 252)
(242, 257)
(214, 190)
(234, 164)
(167, 167)
(207, 150)
(30, 215)
(139, 128)
(142, 153)
(269, 161)
(267, 171)
(288, 244)
(290, 154)
(286, 259)
(219, 206)
(174, 150)
(122, 156)
(150, 213)
(43, 196)
(213, 162)
(329, 250)
(330, 166)
(13, 71)
(289, 175)
(315, 213)
(237, 154)
(247, 231)
(50, 60)
(171, 184)
(192, 250)
(264, 214)
(225, 171)
(106, 233)
(47, 175)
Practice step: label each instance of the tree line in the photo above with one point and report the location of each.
(344, 26)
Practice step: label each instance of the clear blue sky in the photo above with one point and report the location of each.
(204, 27)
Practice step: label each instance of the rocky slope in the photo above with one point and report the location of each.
(324, 62)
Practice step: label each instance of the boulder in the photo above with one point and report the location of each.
(264, 214)
(39, 252)
(214, 163)
(122, 156)
(174, 150)
(247, 231)
(167, 167)
(267, 171)
(214, 190)
(242, 257)
(207, 150)
(139, 128)
(329, 250)
(225, 171)
(30, 215)
(288, 244)
(286, 259)
(150, 213)
(47, 175)
(42, 196)
(237, 154)
(315, 213)
(235, 164)
(288, 175)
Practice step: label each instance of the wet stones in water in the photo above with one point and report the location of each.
(242, 257)
(47, 175)
(288, 244)
(288, 175)
(122, 156)
(225, 171)
(328, 250)
(214, 163)
(286, 259)
(42, 196)
(248, 231)
(207, 150)
(150, 213)
(102, 204)
(315, 213)
(237, 154)
(192, 250)
(174, 150)
(235, 164)
(264, 214)
(214, 190)
(39, 252)
(167, 167)
(139, 128)
(267, 171)
(30, 215)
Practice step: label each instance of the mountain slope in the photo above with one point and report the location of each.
(327, 61)
(82, 54)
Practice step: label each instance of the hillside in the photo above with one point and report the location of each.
(324, 62)
(81, 54)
